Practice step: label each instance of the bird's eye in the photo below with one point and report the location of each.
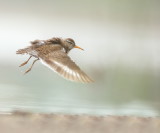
(69, 42)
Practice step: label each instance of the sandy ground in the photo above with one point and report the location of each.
(21, 122)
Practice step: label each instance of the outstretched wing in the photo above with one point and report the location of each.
(61, 63)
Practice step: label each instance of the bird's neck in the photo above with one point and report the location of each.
(66, 50)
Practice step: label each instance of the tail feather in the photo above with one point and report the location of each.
(22, 51)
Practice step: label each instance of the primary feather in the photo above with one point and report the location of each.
(61, 63)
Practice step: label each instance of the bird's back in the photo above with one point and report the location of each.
(40, 50)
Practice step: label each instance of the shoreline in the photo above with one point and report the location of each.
(26, 122)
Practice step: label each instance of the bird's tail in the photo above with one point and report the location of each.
(23, 51)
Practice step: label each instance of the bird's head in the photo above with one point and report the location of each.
(70, 44)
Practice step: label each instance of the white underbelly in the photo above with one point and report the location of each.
(33, 53)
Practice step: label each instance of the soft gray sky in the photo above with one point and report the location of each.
(110, 32)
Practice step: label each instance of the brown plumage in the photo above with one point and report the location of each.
(53, 54)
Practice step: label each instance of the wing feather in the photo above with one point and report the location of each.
(60, 62)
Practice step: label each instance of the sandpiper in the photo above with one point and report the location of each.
(53, 53)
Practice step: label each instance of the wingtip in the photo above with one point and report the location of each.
(90, 81)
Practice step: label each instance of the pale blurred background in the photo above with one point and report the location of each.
(122, 54)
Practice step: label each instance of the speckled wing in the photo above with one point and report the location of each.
(61, 63)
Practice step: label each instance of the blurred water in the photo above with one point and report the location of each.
(118, 93)
(121, 42)
(17, 98)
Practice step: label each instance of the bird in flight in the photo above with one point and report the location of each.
(53, 53)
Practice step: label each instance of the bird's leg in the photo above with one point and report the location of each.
(25, 62)
(31, 66)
